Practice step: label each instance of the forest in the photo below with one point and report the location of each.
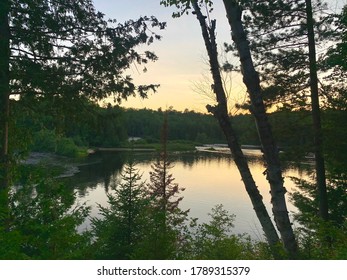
(60, 60)
(111, 126)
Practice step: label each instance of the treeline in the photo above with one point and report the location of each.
(83, 124)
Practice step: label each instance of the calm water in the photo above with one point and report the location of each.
(209, 179)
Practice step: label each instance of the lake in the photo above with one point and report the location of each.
(208, 178)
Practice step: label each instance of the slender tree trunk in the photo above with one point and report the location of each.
(4, 91)
(317, 129)
(221, 113)
(271, 154)
(4, 112)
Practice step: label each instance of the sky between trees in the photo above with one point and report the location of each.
(181, 53)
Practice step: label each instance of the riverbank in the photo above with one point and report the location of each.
(58, 166)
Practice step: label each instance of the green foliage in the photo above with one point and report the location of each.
(215, 240)
(48, 141)
(10, 241)
(11, 245)
(322, 240)
(337, 54)
(319, 239)
(67, 147)
(160, 239)
(42, 223)
(307, 201)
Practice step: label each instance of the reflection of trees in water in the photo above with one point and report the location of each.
(191, 159)
(100, 168)
(104, 168)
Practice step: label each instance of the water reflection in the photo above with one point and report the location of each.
(209, 179)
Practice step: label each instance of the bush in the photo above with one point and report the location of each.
(44, 221)
(216, 241)
(67, 147)
(48, 141)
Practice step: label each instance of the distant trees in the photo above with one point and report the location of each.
(185, 125)
(109, 126)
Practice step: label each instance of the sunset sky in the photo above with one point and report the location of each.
(181, 52)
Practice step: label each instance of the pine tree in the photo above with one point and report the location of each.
(162, 188)
(166, 217)
(121, 227)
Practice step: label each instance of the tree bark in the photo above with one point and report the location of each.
(270, 150)
(4, 91)
(317, 129)
(221, 113)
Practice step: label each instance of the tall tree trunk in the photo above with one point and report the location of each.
(221, 113)
(4, 91)
(317, 129)
(270, 150)
(4, 112)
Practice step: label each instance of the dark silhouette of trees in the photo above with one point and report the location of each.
(271, 153)
(284, 36)
(66, 50)
(316, 116)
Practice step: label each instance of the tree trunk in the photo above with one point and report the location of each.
(4, 91)
(317, 129)
(221, 114)
(271, 155)
(4, 113)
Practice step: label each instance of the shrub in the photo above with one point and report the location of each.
(67, 147)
